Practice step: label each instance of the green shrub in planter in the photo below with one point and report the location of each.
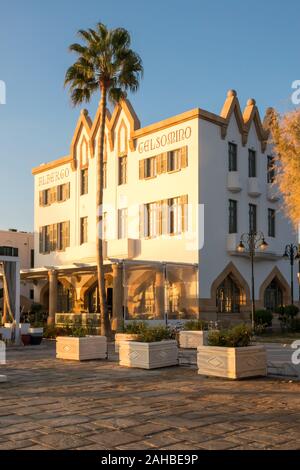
(263, 317)
(236, 337)
(156, 333)
(195, 325)
(134, 327)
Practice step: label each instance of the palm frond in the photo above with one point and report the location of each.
(105, 58)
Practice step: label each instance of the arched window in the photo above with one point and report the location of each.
(273, 297)
(229, 296)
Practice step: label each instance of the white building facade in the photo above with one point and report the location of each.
(24, 242)
(178, 196)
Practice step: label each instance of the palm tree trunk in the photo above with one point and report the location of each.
(105, 322)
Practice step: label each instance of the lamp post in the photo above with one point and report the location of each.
(291, 254)
(249, 243)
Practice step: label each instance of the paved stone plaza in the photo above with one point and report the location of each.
(52, 404)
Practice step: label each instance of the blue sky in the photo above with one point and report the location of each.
(193, 51)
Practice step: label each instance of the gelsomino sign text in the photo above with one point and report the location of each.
(163, 140)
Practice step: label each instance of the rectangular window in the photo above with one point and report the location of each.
(175, 216)
(174, 160)
(122, 224)
(150, 167)
(31, 294)
(123, 170)
(84, 183)
(46, 237)
(83, 230)
(271, 222)
(271, 169)
(32, 258)
(63, 192)
(251, 163)
(252, 218)
(232, 216)
(152, 220)
(44, 197)
(232, 156)
(63, 235)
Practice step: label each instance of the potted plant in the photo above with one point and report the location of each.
(80, 346)
(194, 334)
(231, 355)
(36, 333)
(155, 348)
(131, 332)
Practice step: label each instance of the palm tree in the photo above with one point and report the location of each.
(105, 63)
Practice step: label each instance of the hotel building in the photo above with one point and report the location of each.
(178, 195)
(24, 242)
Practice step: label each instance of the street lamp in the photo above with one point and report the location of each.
(291, 253)
(249, 243)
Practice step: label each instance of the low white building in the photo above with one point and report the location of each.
(24, 242)
(157, 177)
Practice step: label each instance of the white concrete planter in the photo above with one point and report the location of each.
(24, 327)
(36, 331)
(6, 333)
(124, 337)
(232, 363)
(81, 349)
(148, 355)
(192, 339)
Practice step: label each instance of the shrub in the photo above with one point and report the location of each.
(236, 337)
(79, 332)
(280, 310)
(134, 327)
(263, 317)
(156, 333)
(295, 325)
(196, 325)
(291, 311)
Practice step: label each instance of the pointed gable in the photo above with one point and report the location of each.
(95, 128)
(251, 115)
(84, 123)
(244, 121)
(134, 122)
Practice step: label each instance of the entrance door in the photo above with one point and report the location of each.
(273, 296)
(228, 296)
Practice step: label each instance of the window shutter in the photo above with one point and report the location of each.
(41, 238)
(158, 164)
(159, 217)
(184, 213)
(164, 162)
(67, 234)
(142, 169)
(53, 193)
(41, 198)
(184, 157)
(142, 213)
